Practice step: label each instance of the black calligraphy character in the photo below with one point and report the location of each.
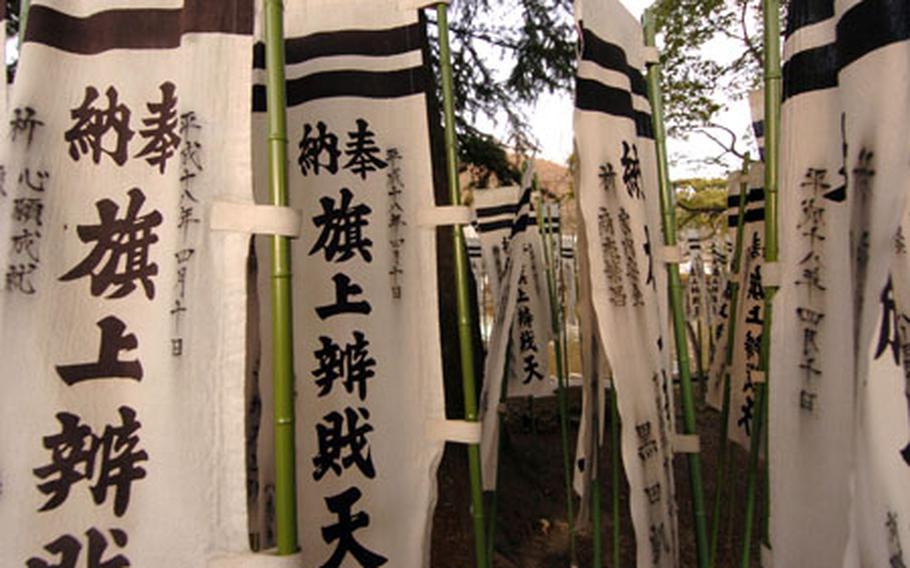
(24, 122)
(313, 147)
(340, 433)
(839, 194)
(92, 125)
(18, 278)
(807, 400)
(72, 459)
(525, 317)
(888, 335)
(752, 344)
(659, 544)
(363, 151)
(343, 532)
(189, 154)
(631, 170)
(607, 176)
(41, 176)
(118, 461)
(25, 242)
(754, 316)
(745, 419)
(531, 369)
(67, 547)
(755, 248)
(527, 341)
(342, 229)
(647, 248)
(108, 366)
(28, 210)
(123, 244)
(161, 129)
(344, 289)
(755, 290)
(352, 363)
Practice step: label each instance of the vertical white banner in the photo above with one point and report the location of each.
(121, 419)
(619, 205)
(366, 331)
(843, 189)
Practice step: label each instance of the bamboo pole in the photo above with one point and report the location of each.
(772, 81)
(722, 477)
(24, 6)
(461, 286)
(598, 556)
(562, 379)
(668, 210)
(282, 327)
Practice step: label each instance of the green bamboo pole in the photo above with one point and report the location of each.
(543, 222)
(282, 330)
(614, 467)
(772, 80)
(461, 286)
(24, 6)
(668, 210)
(722, 477)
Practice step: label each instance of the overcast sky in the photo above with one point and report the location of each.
(552, 122)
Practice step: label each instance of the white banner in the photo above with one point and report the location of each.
(844, 146)
(495, 211)
(366, 333)
(121, 419)
(619, 204)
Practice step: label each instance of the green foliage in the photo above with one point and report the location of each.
(695, 83)
(701, 203)
(532, 43)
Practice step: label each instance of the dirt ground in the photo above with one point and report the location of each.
(532, 531)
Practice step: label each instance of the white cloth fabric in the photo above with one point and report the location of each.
(121, 419)
(369, 374)
(837, 418)
(619, 204)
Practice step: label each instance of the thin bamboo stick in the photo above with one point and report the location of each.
(668, 210)
(282, 326)
(772, 163)
(461, 286)
(722, 477)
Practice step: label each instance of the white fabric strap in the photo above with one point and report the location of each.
(255, 219)
(459, 431)
(770, 275)
(651, 55)
(670, 255)
(686, 444)
(442, 216)
(758, 377)
(266, 559)
(735, 278)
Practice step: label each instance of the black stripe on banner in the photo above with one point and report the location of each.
(392, 41)
(871, 25)
(811, 70)
(802, 13)
(866, 27)
(495, 225)
(611, 56)
(494, 210)
(365, 84)
(597, 97)
(148, 28)
(754, 195)
(751, 216)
